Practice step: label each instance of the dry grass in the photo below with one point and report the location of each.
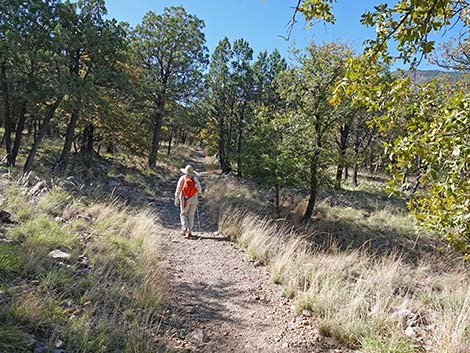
(106, 297)
(374, 300)
(364, 301)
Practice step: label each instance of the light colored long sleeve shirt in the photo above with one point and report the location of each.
(179, 187)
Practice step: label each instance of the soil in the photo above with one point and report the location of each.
(220, 301)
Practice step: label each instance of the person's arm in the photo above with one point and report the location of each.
(178, 190)
(198, 185)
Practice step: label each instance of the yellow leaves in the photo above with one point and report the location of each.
(334, 100)
(319, 9)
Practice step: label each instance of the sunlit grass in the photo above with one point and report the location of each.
(351, 267)
(111, 302)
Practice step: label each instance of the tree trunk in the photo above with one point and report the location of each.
(313, 186)
(63, 162)
(158, 120)
(416, 186)
(346, 172)
(277, 200)
(6, 108)
(378, 163)
(339, 175)
(354, 177)
(88, 139)
(223, 161)
(342, 142)
(169, 140)
(30, 129)
(404, 179)
(239, 146)
(18, 135)
(35, 130)
(40, 135)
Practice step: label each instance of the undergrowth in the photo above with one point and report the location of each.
(104, 294)
(366, 298)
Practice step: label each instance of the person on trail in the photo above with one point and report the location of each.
(186, 197)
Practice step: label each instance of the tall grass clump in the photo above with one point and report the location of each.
(105, 293)
(371, 301)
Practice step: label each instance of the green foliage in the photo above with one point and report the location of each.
(54, 202)
(406, 23)
(312, 118)
(11, 262)
(170, 54)
(39, 236)
(435, 140)
(425, 128)
(372, 344)
(13, 339)
(103, 301)
(17, 203)
(43, 231)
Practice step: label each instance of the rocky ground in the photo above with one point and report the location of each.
(220, 301)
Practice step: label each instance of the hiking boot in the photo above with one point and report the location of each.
(184, 233)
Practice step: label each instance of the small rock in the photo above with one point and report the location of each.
(189, 309)
(285, 345)
(402, 315)
(410, 331)
(59, 254)
(199, 335)
(59, 344)
(5, 217)
(306, 313)
(38, 188)
(85, 217)
(113, 183)
(123, 189)
(39, 347)
(101, 167)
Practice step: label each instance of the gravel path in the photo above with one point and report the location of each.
(219, 300)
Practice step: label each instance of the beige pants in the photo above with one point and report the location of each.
(187, 213)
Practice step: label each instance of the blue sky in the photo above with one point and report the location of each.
(260, 22)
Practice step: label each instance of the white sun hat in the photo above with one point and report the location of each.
(188, 170)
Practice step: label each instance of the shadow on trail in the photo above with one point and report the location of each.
(213, 303)
(199, 237)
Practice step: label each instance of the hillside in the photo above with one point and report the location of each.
(423, 76)
(114, 277)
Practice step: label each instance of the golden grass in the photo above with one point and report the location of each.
(360, 299)
(113, 303)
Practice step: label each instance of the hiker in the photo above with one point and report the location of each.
(186, 197)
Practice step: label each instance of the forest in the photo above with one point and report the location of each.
(78, 88)
(70, 73)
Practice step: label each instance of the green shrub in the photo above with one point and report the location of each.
(54, 202)
(13, 339)
(39, 236)
(11, 261)
(377, 344)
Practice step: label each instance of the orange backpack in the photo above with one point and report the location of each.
(189, 188)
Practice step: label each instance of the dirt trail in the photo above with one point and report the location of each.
(219, 300)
